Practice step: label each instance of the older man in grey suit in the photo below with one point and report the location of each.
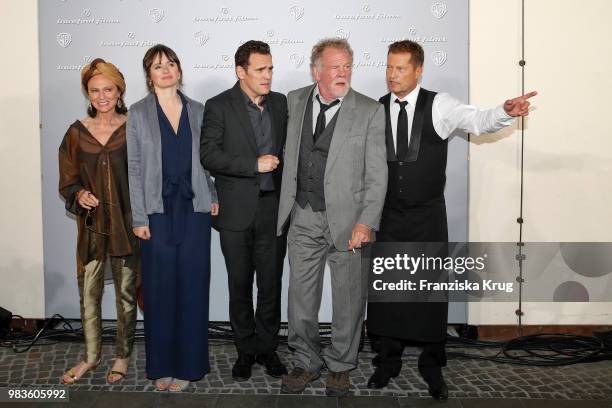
(333, 190)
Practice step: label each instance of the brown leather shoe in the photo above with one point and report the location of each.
(296, 381)
(337, 384)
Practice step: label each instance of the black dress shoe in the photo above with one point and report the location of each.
(438, 391)
(380, 378)
(436, 386)
(242, 367)
(273, 365)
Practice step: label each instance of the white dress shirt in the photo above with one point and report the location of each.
(449, 114)
(329, 114)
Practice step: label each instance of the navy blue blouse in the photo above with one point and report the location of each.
(176, 171)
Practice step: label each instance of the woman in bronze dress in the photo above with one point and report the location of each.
(94, 182)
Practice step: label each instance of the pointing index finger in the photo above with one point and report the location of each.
(530, 94)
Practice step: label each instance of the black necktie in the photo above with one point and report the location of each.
(402, 131)
(320, 127)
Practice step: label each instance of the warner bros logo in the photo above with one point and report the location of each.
(201, 37)
(296, 59)
(296, 12)
(64, 39)
(439, 9)
(342, 34)
(438, 58)
(156, 14)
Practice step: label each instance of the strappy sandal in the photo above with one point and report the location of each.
(178, 385)
(162, 384)
(73, 376)
(112, 372)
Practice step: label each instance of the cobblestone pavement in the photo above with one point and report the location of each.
(44, 365)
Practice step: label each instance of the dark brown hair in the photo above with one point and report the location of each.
(151, 56)
(89, 72)
(241, 58)
(417, 55)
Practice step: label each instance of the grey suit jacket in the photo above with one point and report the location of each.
(145, 161)
(356, 170)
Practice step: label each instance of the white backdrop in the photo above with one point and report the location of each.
(205, 36)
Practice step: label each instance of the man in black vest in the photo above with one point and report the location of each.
(242, 139)
(418, 124)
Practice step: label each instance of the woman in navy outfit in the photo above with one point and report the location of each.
(173, 198)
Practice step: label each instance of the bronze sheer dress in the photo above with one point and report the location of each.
(105, 240)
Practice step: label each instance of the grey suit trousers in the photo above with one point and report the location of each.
(310, 246)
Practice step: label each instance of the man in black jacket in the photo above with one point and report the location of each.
(418, 124)
(242, 140)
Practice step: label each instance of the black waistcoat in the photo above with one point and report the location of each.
(312, 162)
(414, 212)
(421, 176)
